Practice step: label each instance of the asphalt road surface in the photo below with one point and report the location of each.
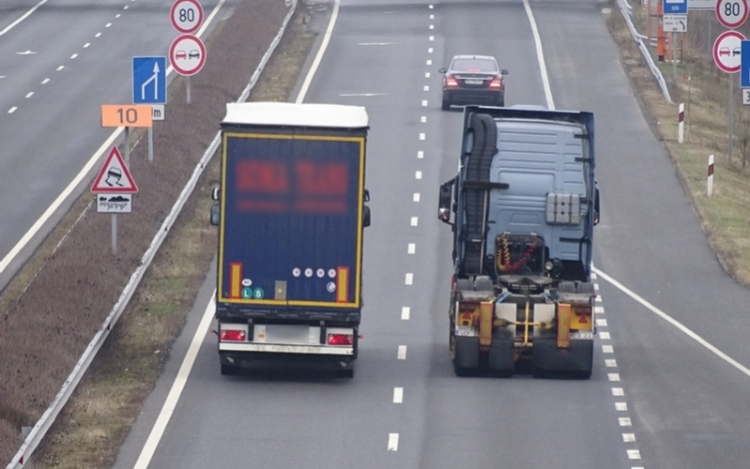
(669, 388)
(60, 60)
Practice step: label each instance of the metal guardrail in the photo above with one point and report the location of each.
(48, 418)
(638, 38)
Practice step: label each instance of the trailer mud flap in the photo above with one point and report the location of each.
(500, 360)
(550, 361)
(466, 358)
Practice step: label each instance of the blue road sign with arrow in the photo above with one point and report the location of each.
(149, 80)
(676, 7)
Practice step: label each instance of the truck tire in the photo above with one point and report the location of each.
(478, 170)
(347, 373)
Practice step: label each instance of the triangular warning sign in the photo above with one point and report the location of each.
(582, 319)
(114, 177)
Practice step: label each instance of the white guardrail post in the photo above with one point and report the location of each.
(48, 418)
(681, 123)
(623, 5)
(710, 179)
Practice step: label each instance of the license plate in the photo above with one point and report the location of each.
(464, 331)
(582, 335)
(474, 82)
(287, 334)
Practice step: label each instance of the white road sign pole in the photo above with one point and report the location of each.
(730, 120)
(114, 233)
(187, 86)
(127, 146)
(151, 144)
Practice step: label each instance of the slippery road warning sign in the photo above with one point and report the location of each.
(114, 177)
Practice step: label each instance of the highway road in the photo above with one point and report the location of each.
(670, 382)
(60, 60)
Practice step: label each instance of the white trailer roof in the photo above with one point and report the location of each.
(307, 115)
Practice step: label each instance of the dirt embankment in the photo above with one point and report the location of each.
(45, 331)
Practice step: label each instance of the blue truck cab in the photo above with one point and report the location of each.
(291, 213)
(522, 208)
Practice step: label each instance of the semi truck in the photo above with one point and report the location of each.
(522, 208)
(290, 212)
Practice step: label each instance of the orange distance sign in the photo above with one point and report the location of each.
(126, 115)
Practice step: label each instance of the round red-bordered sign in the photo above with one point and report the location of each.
(187, 54)
(728, 51)
(186, 16)
(731, 13)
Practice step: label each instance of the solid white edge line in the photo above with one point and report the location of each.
(539, 55)
(675, 323)
(319, 55)
(5, 262)
(179, 384)
(23, 17)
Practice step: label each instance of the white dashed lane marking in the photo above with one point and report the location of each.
(604, 335)
(411, 248)
(393, 442)
(613, 376)
(74, 56)
(45, 81)
(608, 349)
(601, 322)
(628, 437)
(401, 355)
(625, 422)
(60, 67)
(618, 392)
(409, 279)
(422, 136)
(423, 119)
(405, 312)
(12, 110)
(414, 221)
(621, 406)
(610, 363)
(97, 34)
(398, 395)
(424, 103)
(415, 197)
(420, 153)
(29, 94)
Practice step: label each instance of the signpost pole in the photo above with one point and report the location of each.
(114, 233)
(127, 146)
(673, 49)
(730, 120)
(187, 81)
(150, 144)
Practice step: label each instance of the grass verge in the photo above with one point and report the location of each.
(704, 91)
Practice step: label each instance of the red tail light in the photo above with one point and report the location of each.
(229, 334)
(340, 339)
(496, 83)
(450, 82)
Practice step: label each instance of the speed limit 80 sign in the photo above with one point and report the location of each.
(731, 13)
(186, 15)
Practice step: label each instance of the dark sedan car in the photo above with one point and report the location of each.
(473, 79)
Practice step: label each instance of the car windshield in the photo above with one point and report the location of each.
(474, 65)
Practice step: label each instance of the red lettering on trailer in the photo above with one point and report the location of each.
(322, 179)
(262, 176)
